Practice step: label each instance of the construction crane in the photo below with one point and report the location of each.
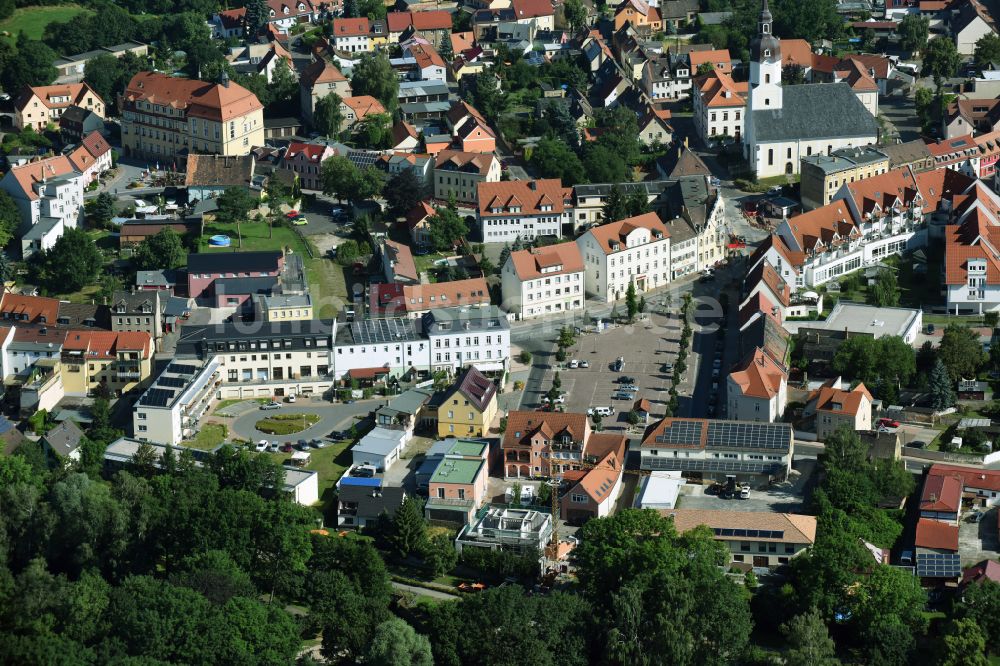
(556, 481)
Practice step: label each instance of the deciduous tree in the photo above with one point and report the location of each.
(373, 75)
(960, 351)
(912, 32)
(162, 250)
(809, 641)
(395, 643)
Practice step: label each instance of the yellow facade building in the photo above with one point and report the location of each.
(105, 360)
(285, 307)
(469, 407)
(165, 118)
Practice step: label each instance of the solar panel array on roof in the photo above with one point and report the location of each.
(686, 465)
(733, 434)
(742, 533)
(157, 397)
(363, 158)
(182, 369)
(368, 331)
(172, 382)
(938, 565)
(681, 432)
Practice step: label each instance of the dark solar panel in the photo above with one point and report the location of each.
(157, 397)
(681, 432)
(5, 425)
(182, 369)
(749, 534)
(174, 382)
(733, 434)
(685, 465)
(938, 565)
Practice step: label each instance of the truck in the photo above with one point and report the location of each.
(729, 490)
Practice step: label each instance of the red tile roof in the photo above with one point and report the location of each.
(75, 92)
(818, 229)
(401, 299)
(598, 481)
(936, 535)
(29, 309)
(402, 258)
(522, 426)
(942, 493)
(35, 172)
(839, 401)
(320, 71)
(525, 9)
(106, 344)
(563, 257)
(363, 105)
(714, 57)
(435, 19)
(468, 162)
(759, 376)
(201, 100)
(985, 570)
(612, 237)
(718, 89)
(313, 152)
(528, 195)
(350, 27)
(796, 52)
(972, 477)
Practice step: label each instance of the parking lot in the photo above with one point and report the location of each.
(784, 497)
(646, 346)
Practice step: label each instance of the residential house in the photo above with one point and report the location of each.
(982, 486)
(469, 407)
(355, 109)
(361, 505)
(351, 35)
(167, 118)
(757, 539)
(404, 137)
(48, 194)
(138, 311)
(170, 409)
(544, 444)
(305, 160)
(634, 251)
(92, 157)
(540, 281)
(519, 531)
(397, 263)
(937, 558)
(523, 209)
(594, 489)
(460, 337)
(754, 452)
(22, 309)
(719, 105)
(470, 131)
(971, 116)
(458, 174)
(823, 175)
(283, 15)
(457, 489)
(206, 269)
(639, 14)
(63, 442)
(702, 62)
(665, 77)
(538, 13)
(654, 128)
(317, 80)
(677, 14)
(418, 223)
(380, 448)
(229, 24)
(77, 122)
(37, 106)
(757, 389)
(105, 361)
(434, 25)
(406, 411)
(428, 64)
(413, 301)
(970, 22)
(836, 407)
(208, 176)
(261, 59)
(972, 272)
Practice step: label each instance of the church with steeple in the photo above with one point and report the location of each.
(784, 124)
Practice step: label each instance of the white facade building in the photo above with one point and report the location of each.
(170, 409)
(49, 196)
(543, 281)
(523, 209)
(635, 250)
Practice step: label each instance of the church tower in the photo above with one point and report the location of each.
(765, 66)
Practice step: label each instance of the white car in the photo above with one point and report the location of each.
(574, 363)
(560, 399)
(262, 446)
(291, 398)
(584, 364)
(603, 411)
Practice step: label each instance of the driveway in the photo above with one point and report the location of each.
(784, 497)
(332, 417)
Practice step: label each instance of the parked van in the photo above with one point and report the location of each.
(602, 411)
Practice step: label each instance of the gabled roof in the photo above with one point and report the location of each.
(985, 570)
(796, 52)
(418, 214)
(529, 264)
(320, 71)
(528, 195)
(815, 230)
(477, 388)
(35, 172)
(30, 309)
(791, 257)
(434, 19)
(883, 191)
(219, 171)
(350, 27)
(717, 89)
(977, 478)
(936, 535)
(778, 289)
(759, 376)
(65, 438)
(425, 56)
(526, 9)
(363, 105)
(612, 237)
(522, 426)
(403, 131)
(310, 152)
(816, 111)
(458, 160)
(715, 58)
(942, 493)
(421, 297)
(70, 93)
(402, 258)
(793, 527)
(599, 481)
(106, 344)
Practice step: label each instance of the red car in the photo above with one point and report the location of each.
(292, 214)
(888, 423)
(286, 447)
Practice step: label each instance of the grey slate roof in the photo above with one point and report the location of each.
(371, 504)
(815, 111)
(64, 438)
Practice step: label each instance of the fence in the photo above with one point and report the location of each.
(961, 458)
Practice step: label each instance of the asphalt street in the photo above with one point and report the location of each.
(337, 416)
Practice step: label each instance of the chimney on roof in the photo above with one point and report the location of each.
(533, 185)
(224, 79)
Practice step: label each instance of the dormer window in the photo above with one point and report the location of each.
(767, 53)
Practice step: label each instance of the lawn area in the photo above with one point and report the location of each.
(286, 424)
(32, 20)
(330, 463)
(426, 262)
(209, 436)
(326, 278)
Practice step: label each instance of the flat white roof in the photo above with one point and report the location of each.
(660, 489)
(381, 441)
(861, 318)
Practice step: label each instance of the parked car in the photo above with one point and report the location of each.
(623, 395)
(300, 222)
(302, 445)
(745, 492)
(338, 435)
(271, 405)
(632, 388)
(930, 329)
(603, 411)
(574, 364)
(290, 398)
(262, 446)
(625, 379)
(668, 368)
(619, 364)
(318, 444)
(286, 447)
(584, 364)
(560, 399)
(888, 423)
